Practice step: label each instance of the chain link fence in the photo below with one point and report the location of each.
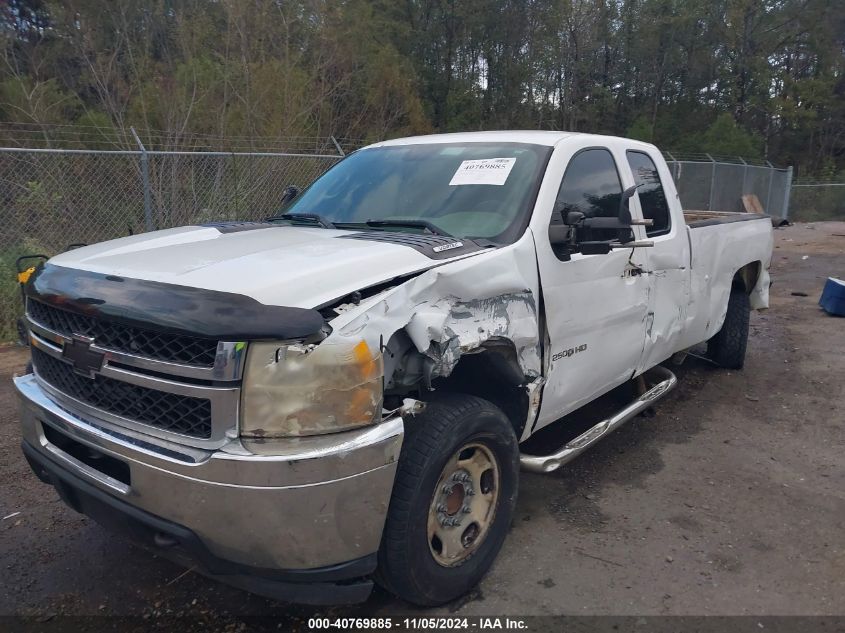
(50, 199)
(717, 183)
(817, 201)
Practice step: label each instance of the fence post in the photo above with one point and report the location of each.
(712, 182)
(337, 145)
(771, 178)
(674, 170)
(787, 190)
(145, 180)
(237, 187)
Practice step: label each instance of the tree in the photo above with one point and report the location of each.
(724, 137)
(761, 78)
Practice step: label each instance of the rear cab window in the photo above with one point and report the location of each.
(653, 201)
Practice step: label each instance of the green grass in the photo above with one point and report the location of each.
(817, 203)
(11, 305)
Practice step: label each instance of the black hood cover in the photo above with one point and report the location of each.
(170, 307)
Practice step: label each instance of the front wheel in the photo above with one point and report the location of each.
(452, 502)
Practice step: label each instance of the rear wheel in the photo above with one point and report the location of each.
(452, 502)
(727, 347)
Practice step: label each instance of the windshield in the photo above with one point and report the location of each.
(469, 190)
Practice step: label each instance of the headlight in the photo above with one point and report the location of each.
(299, 389)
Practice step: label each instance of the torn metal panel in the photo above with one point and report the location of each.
(456, 308)
(446, 330)
(535, 394)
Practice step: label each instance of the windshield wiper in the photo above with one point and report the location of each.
(420, 224)
(313, 217)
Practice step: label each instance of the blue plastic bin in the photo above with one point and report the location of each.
(833, 297)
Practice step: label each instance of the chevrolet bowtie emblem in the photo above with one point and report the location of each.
(78, 352)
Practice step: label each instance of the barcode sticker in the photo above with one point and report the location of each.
(486, 171)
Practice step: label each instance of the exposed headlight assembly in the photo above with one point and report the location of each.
(294, 389)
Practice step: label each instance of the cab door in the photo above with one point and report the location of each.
(668, 260)
(595, 305)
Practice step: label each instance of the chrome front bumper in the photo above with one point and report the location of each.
(294, 504)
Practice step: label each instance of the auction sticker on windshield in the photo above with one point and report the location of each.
(486, 171)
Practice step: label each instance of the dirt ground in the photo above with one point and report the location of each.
(731, 500)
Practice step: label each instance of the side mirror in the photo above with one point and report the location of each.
(289, 194)
(563, 232)
(560, 234)
(624, 232)
(622, 223)
(623, 201)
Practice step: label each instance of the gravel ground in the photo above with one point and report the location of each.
(731, 500)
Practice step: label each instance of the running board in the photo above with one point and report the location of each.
(549, 463)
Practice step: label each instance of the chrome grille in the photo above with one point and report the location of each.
(170, 412)
(124, 338)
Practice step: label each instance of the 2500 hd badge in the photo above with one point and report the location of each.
(569, 352)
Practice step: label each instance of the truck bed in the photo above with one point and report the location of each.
(718, 252)
(697, 219)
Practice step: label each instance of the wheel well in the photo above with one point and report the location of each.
(493, 373)
(747, 276)
(490, 371)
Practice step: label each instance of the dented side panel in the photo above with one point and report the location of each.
(454, 309)
(669, 278)
(718, 252)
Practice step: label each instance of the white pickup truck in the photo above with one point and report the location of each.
(338, 394)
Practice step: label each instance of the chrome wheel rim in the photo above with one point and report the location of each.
(463, 505)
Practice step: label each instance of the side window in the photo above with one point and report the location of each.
(590, 185)
(650, 190)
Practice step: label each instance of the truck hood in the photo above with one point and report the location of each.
(277, 265)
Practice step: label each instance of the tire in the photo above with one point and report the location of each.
(410, 564)
(727, 347)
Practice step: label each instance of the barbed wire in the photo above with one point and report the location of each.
(701, 157)
(65, 135)
(26, 134)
